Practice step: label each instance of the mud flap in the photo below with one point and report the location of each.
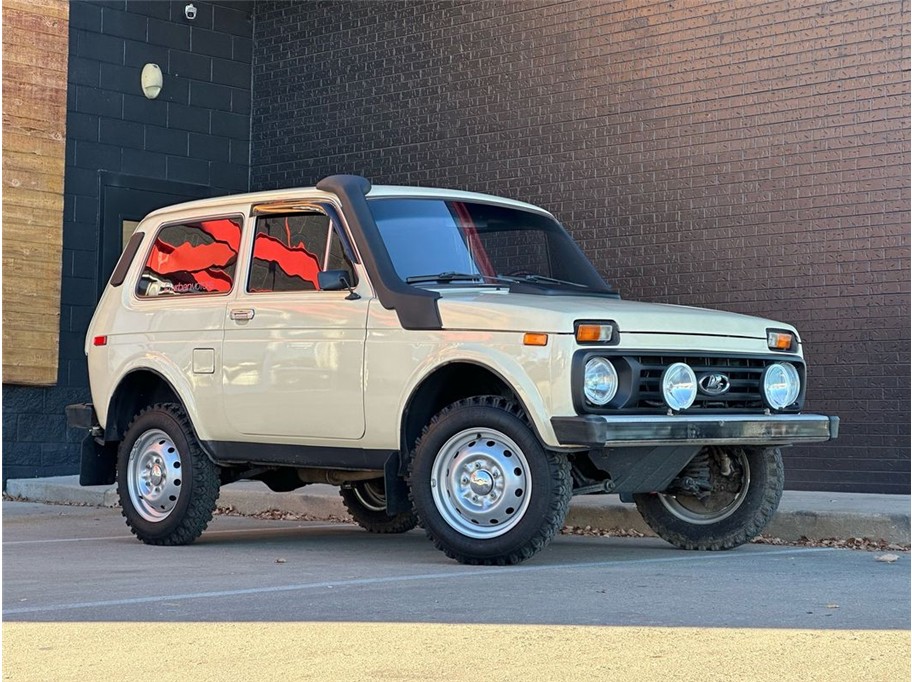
(397, 491)
(98, 462)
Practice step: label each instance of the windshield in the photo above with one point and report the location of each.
(442, 241)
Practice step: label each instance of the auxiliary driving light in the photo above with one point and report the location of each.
(781, 385)
(679, 386)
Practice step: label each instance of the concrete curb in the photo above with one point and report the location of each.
(811, 515)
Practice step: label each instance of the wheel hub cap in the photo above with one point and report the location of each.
(481, 483)
(156, 475)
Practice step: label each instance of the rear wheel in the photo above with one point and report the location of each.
(167, 485)
(484, 489)
(739, 492)
(366, 502)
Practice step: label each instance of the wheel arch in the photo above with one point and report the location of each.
(445, 384)
(137, 389)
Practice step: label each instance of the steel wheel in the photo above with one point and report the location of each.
(721, 503)
(167, 485)
(481, 483)
(371, 494)
(154, 475)
(483, 487)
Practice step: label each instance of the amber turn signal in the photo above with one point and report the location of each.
(535, 339)
(594, 333)
(780, 340)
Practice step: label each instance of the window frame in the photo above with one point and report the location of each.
(233, 216)
(334, 226)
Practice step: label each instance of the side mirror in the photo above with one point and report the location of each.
(336, 280)
(333, 280)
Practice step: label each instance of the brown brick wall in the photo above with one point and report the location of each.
(738, 155)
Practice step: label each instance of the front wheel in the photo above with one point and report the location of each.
(167, 485)
(366, 502)
(740, 491)
(485, 490)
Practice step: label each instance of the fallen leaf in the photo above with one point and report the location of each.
(888, 558)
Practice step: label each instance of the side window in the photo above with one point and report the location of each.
(192, 258)
(290, 250)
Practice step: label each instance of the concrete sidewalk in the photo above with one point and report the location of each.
(810, 515)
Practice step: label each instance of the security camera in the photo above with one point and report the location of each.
(190, 11)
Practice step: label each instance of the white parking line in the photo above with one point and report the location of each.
(450, 575)
(208, 532)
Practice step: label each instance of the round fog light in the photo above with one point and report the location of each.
(781, 385)
(679, 386)
(600, 382)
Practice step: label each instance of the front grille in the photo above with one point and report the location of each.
(640, 378)
(744, 374)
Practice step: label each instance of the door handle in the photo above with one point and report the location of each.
(242, 314)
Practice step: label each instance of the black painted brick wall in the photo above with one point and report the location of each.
(196, 132)
(748, 156)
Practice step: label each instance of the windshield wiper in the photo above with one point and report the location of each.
(541, 279)
(444, 277)
(450, 276)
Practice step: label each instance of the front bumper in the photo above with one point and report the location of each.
(719, 429)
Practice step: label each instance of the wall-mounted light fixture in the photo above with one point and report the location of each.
(151, 80)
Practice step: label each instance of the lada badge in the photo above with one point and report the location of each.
(714, 384)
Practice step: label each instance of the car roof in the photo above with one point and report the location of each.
(376, 192)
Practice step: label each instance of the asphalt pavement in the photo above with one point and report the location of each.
(82, 564)
(257, 599)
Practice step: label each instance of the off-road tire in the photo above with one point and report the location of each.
(548, 497)
(199, 479)
(743, 525)
(374, 520)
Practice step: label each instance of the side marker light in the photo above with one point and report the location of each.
(535, 339)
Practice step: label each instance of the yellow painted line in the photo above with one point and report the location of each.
(424, 651)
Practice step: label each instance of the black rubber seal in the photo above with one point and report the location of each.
(126, 259)
(416, 308)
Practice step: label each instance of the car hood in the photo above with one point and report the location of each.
(502, 311)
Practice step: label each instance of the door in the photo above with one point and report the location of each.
(293, 355)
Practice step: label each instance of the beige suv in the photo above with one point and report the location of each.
(446, 358)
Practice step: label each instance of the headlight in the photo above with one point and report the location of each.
(600, 382)
(781, 385)
(679, 386)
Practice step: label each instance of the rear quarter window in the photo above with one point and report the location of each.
(192, 258)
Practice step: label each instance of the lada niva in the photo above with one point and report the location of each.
(448, 359)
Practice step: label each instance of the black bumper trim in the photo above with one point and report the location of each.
(81, 416)
(782, 429)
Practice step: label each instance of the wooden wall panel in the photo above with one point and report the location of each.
(35, 40)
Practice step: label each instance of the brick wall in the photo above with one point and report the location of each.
(741, 155)
(196, 133)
